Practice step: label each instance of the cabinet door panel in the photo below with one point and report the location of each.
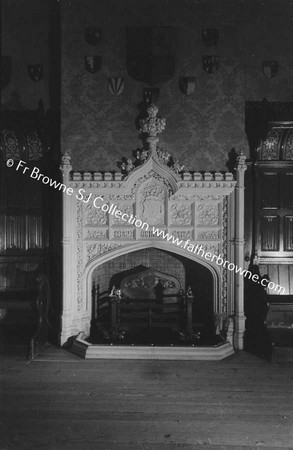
(270, 233)
(288, 191)
(288, 241)
(15, 232)
(270, 191)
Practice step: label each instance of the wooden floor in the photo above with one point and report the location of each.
(59, 401)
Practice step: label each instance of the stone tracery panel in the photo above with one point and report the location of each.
(181, 214)
(94, 216)
(207, 214)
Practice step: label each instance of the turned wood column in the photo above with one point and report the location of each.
(67, 297)
(239, 253)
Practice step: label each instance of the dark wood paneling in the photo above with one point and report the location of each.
(270, 190)
(288, 225)
(280, 274)
(288, 191)
(270, 232)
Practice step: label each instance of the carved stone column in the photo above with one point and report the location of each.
(239, 252)
(66, 319)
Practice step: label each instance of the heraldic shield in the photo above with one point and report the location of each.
(35, 71)
(92, 63)
(210, 63)
(270, 68)
(187, 85)
(151, 54)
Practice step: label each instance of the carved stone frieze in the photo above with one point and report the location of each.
(118, 197)
(207, 214)
(181, 214)
(94, 216)
(93, 250)
(208, 234)
(97, 234)
(211, 247)
(148, 234)
(206, 184)
(79, 250)
(123, 234)
(224, 252)
(95, 184)
(179, 196)
(182, 234)
(125, 208)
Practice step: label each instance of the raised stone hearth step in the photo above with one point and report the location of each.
(86, 350)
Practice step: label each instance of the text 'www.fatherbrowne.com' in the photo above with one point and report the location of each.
(199, 251)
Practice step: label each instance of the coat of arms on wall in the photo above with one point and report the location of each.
(115, 85)
(5, 70)
(187, 85)
(210, 63)
(151, 54)
(151, 94)
(92, 35)
(92, 63)
(35, 71)
(270, 68)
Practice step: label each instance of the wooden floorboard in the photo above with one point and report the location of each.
(59, 401)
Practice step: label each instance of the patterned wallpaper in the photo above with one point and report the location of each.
(25, 28)
(98, 128)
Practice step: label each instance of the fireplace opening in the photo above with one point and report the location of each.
(153, 297)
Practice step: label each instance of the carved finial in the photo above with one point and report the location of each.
(152, 125)
(241, 166)
(65, 159)
(65, 166)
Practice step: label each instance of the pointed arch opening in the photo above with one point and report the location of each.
(148, 318)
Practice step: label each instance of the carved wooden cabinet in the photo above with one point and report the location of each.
(269, 201)
(274, 211)
(24, 218)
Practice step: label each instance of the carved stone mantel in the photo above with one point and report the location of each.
(200, 207)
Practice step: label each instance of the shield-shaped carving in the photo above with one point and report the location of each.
(187, 85)
(270, 68)
(210, 63)
(210, 36)
(151, 95)
(5, 70)
(35, 71)
(153, 210)
(92, 35)
(115, 85)
(151, 54)
(92, 63)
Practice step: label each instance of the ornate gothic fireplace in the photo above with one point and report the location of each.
(107, 215)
